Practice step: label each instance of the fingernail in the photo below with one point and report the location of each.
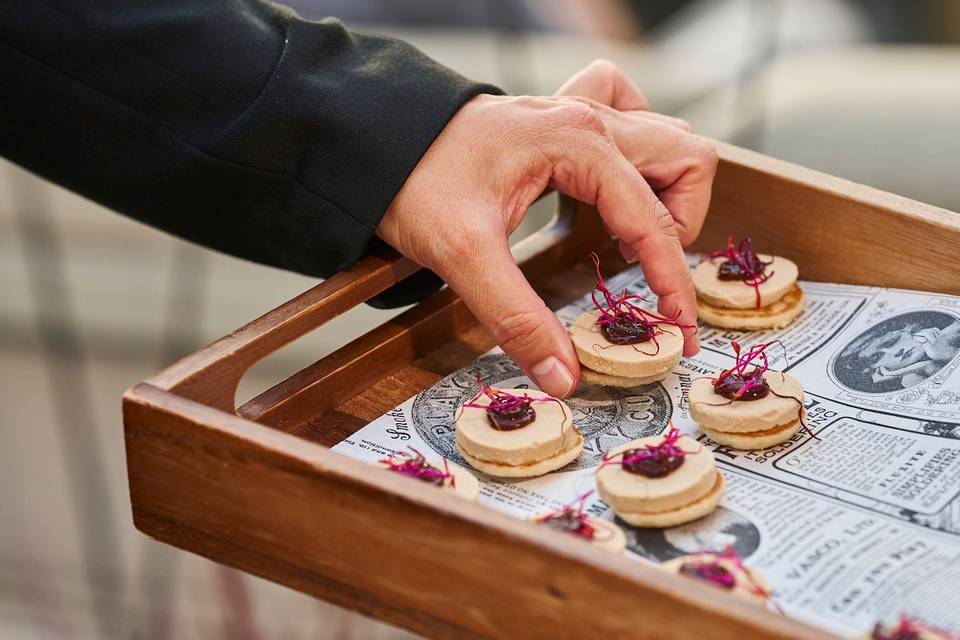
(553, 377)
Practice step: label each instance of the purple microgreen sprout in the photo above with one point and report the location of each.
(909, 628)
(618, 312)
(571, 518)
(506, 411)
(742, 263)
(415, 465)
(652, 460)
(739, 384)
(707, 566)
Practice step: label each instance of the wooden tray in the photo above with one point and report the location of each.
(256, 487)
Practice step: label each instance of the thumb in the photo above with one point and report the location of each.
(493, 287)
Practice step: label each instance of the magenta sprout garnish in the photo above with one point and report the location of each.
(908, 628)
(905, 629)
(709, 571)
(652, 460)
(505, 411)
(739, 383)
(570, 518)
(623, 322)
(416, 466)
(707, 566)
(742, 263)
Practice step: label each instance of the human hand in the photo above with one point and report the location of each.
(681, 180)
(496, 156)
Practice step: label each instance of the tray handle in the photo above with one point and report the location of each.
(211, 376)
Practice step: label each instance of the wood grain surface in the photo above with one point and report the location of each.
(256, 488)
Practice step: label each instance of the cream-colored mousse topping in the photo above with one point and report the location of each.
(635, 493)
(551, 433)
(711, 410)
(750, 584)
(736, 294)
(639, 360)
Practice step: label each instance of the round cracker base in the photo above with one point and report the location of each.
(603, 379)
(748, 442)
(693, 511)
(776, 315)
(538, 468)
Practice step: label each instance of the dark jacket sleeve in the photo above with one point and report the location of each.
(235, 124)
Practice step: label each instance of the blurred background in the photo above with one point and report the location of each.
(92, 302)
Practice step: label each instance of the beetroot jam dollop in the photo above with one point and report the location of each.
(880, 634)
(735, 386)
(656, 466)
(621, 321)
(711, 572)
(506, 412)
(627, 330)
(743, 264)
(747, 267)
(571, 518)
(652, 460)
(512, 417)
(570, 521)
(906, 629)
(415, 465)
(736, 383)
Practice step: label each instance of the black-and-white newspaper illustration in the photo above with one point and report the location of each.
(858, 524)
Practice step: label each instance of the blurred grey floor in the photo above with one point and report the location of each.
(93, 302)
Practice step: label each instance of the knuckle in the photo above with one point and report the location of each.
(518, 331)
(579, 113)
(584, 100)
(707, 154)
(593, 122)
(606, 67)
(663, 221)
(662, 225)
(575, 110)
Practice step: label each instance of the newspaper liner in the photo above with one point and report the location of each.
(855, 527)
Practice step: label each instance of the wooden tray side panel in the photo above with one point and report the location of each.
(241, 493)
(295, 513)
(836, 230)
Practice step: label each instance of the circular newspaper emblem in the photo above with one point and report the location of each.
(606, 416)
(898, 354)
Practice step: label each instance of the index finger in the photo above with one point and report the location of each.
(589, 167)
(606, 83)
(651, 233)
